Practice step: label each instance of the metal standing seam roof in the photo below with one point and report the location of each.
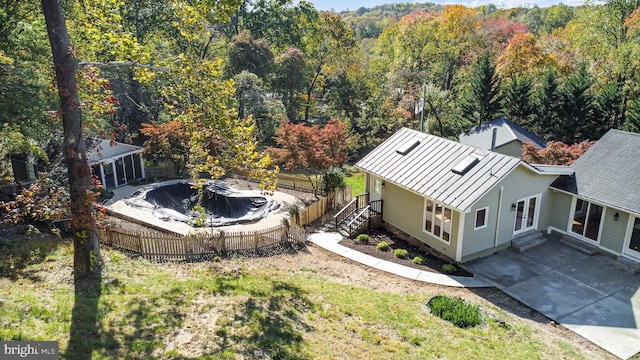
(105, 152)
(426, 170)
(481, 136)
(608, 173)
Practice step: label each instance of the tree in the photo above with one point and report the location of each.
(556, 152)
(249, 54)
(311, 149)
(290, 68)
(167, 141)
(577, 122)
(547, 106)
(86, 258)
(252, 102)
(482, 102)
(517, 100)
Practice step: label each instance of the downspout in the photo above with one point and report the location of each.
(495, 237)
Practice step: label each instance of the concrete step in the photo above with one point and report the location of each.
(528, 240)
(632, 266)
(580, 245)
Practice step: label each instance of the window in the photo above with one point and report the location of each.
(481, 218)
(437, 220)
(377, 186)
(586, 219)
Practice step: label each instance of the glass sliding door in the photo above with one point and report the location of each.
(587, 218)
(633, 247)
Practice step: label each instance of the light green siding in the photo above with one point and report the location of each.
(520, 183)
(613, 231)
(559, 210)
(405, 210)
(513, 148)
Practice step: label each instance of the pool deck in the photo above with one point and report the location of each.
(117, 207)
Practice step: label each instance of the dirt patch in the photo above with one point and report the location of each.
(429, 263)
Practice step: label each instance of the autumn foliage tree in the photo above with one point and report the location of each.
(167, 141)
(311, 149)
(556, 152)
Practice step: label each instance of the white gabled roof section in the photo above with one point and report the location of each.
(104, 151)
(427, 168)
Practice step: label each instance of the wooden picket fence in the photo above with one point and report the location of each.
(172, 247)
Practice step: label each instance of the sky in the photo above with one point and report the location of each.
(341, 5)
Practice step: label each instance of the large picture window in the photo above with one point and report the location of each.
(437, 220)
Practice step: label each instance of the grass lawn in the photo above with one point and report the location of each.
(237, 309)
(356, 181)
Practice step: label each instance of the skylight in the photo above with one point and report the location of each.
(406, 148)
(465, 165)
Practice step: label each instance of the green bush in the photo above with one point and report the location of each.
(382, 245)
(401, 253)
(456, 311)
(362, 238)
(333, 179)
(448, 268)
(418, 260)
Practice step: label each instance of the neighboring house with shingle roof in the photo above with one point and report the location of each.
(509, 137)
(466, 202)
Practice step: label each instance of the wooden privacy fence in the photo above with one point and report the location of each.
(171, 247)
(315, 211)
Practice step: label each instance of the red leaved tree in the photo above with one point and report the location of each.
(556, 152)
(167, 141)
(311, 150)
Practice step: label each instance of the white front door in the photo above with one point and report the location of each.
(526, 214)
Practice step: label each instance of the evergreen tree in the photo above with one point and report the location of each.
(547, 105)
(609, 110)
(517, 100)
(482, 102)
(577, 122)
(632, 122)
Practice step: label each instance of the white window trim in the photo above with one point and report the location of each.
(424, 219)
(486, 218)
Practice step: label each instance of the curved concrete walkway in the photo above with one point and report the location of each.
(329, 241)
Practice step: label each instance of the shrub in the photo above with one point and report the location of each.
(362, 238)
(401, 253)
(449, 268)
(382, 245)
(455, 310)
(418, 260)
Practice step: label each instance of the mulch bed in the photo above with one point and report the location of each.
(431, 263)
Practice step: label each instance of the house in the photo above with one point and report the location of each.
(467, 202)
(509, 137)
(599, 204)
(115, 164)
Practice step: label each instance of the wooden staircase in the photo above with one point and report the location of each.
(352, 219)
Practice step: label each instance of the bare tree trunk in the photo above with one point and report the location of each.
(86, 258)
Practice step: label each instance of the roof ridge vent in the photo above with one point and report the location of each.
(406, 148)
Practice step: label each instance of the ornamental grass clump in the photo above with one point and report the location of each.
(418, 260)
(362, 238)
(449, 268)
(401, 253)
(456, 311)
(383, 245)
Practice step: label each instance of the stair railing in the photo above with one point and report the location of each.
(358, 220)
(354, 205)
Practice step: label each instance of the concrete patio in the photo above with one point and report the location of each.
(591, 295)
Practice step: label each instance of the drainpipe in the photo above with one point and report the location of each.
(495, 236)
(494, 135)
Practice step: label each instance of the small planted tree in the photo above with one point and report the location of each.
(167, 141)
(311, 149)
